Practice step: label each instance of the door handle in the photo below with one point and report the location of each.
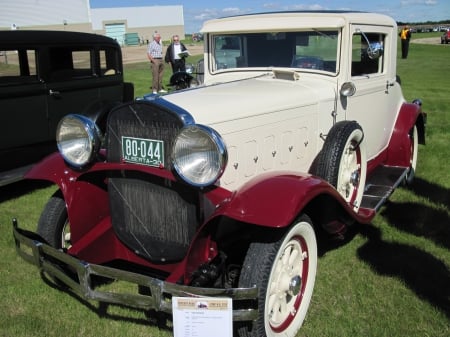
(389, 84)
(54, 93)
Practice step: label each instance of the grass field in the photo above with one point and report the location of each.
(391, 278)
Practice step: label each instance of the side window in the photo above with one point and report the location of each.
(109, 62)
(362, 63)
(67, 64)
(17, 67)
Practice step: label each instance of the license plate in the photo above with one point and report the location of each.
(143, 151)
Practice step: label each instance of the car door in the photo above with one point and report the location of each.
(77, 79)
(373, 105)
(22, 99)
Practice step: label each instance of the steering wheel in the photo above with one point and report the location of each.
(308, 62)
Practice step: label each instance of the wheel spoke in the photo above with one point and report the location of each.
(294, 258)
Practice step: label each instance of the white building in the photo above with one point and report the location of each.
(125, 24)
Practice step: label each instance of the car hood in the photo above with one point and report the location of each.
(219, 103)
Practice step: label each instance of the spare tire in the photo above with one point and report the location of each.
(342, 161)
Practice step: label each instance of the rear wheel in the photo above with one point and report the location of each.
(342, 161)
(284, 272)
(414, 144)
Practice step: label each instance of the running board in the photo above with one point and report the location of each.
(381, 184)
(12, 176)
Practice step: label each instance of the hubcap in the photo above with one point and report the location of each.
(295, 285)
(354, 178)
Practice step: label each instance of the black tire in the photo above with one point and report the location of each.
(53, 224)
(342, 161)
(289, 266)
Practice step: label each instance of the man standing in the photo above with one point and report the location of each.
(154, 54)
(176, 55)
(405, 35)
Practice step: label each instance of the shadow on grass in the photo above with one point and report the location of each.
(426, 275)
(419, 220)
(21, 188)
(422, 220)
(435, 193)
(101, 309)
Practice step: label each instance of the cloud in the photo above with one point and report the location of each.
(271, 5)
(405, 3)
(313, 7)
(231, 10)
(206, 14)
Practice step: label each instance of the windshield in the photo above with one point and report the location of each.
(314, 50)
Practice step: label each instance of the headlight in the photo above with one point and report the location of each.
(78, 140)
(199, 155)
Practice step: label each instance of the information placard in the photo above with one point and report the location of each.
(202, 317)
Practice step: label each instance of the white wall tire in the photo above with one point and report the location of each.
(414, 145)
(342, 161)
(285, 272)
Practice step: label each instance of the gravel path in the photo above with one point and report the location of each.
(428, 40)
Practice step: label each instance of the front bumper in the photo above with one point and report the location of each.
(77, 276)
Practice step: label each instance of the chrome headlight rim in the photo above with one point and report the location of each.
(78, 149)
(219, 151)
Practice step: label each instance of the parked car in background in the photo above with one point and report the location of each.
(44, 76)
(299, 131)
(197, 37)
(445, 37)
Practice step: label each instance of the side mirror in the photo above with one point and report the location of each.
(375, 50)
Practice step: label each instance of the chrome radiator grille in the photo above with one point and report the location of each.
(155, 219)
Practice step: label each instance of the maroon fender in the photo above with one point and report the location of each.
(54, 169)
(275, 199)
(399, 149)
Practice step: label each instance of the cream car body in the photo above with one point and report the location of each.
(277, 117)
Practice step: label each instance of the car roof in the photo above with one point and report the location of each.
(29, 38)
(273, 21)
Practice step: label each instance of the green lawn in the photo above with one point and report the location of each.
(391, 278)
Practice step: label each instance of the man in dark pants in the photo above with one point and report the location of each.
(176, 55)
(405, 35)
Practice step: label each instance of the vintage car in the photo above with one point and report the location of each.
(45, 75)
(299, 130)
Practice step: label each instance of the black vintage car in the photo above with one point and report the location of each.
(45, 75)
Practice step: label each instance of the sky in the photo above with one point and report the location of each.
(198, 11)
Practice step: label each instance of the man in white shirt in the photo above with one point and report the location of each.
(176, 55)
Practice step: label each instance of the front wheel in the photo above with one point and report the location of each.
(53, 225)
(284, 272)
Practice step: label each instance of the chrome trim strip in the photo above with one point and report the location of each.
(185, 116)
